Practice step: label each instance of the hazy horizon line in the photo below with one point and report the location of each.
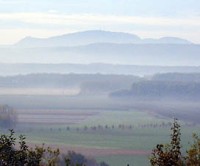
(82, 31)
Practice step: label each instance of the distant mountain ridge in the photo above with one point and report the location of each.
(95, 36)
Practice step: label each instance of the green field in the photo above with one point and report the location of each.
(98, 134)
(119, 133)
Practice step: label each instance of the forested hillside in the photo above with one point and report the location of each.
(164, 86)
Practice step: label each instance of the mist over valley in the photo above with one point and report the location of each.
(103, 94)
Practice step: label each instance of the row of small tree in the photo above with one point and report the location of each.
(120, 126)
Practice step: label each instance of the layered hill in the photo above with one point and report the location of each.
(103, 47)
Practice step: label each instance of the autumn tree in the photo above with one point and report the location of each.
(169, 154)
(193, 154)
(22, 155)
(10, 155)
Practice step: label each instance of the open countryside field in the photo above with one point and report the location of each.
(114, 131)
(103, 134)
(99, 135)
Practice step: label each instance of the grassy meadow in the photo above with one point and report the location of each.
(113, 136)
(96, 126)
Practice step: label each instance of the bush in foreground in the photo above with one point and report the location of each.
(24, 155)
(170, 154)
(38, 156)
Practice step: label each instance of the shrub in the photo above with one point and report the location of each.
(24, 155)
(170, 154)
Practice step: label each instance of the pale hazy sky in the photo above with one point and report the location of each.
(146, 18)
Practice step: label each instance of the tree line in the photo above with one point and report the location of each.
(161, 89)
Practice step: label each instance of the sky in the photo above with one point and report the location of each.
(145, 18)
